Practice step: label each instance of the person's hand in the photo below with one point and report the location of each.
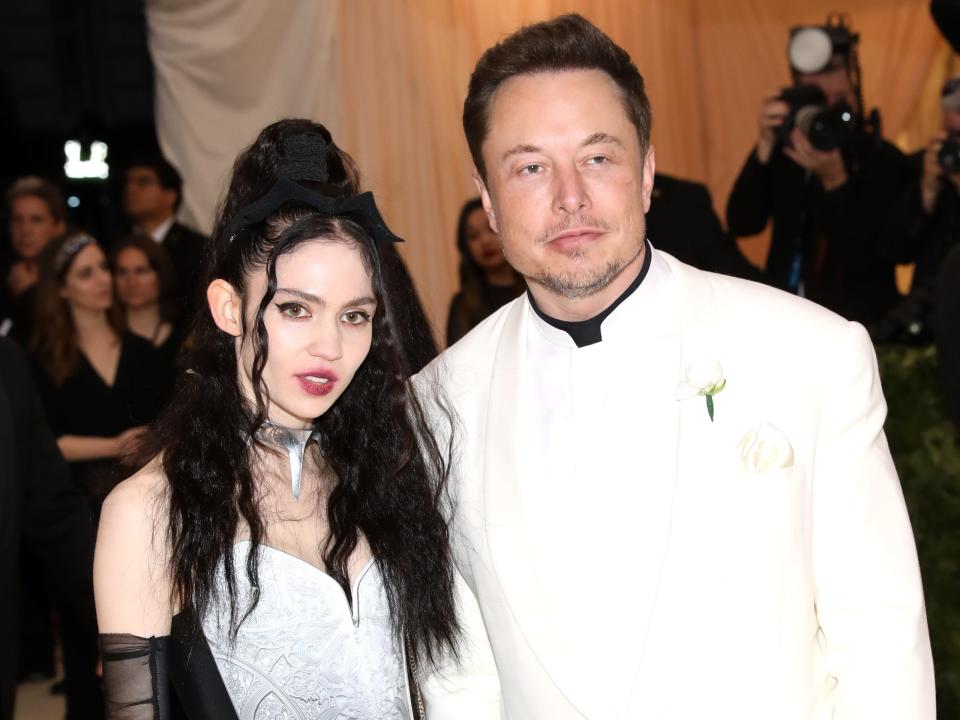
(128, 443)
(827, 166)
(772, 114)
(22, 276)
(930, 184)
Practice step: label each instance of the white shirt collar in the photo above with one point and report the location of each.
(161, 230)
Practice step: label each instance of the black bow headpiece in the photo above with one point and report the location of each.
(304, 158)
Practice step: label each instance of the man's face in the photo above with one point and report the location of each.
(143, 196)
(567, 185)
(835, 84)
(32, 226)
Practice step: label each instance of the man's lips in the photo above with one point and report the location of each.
(569, 239)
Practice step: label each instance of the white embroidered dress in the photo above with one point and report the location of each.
(303, 654)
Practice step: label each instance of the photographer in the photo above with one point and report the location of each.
(936, 229)
(841, 198)
(939, 229)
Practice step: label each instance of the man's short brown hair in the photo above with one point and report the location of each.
(567, 42)
(34, 186)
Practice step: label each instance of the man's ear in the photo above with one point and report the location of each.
(485, 199)
(649, 170)
(170, 196)
(226, 307)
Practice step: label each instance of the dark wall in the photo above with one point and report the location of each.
(74, 69)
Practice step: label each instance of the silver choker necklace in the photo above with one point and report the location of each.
(294, 441)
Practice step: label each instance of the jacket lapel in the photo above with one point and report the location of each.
(706, 455)
(514, 562)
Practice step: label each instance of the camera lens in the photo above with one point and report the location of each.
(823, 128)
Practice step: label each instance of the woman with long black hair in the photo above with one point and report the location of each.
(487, 282)
(287, 534)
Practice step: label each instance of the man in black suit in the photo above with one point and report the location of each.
(682, 222)
(39, 503)
(152, 193)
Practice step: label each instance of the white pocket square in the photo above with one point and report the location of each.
(765, 448)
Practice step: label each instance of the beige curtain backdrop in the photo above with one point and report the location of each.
(225, 69)
(389, 76)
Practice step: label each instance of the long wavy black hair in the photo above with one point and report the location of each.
(475, 301)
(389, 471)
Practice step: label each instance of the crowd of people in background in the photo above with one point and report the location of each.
(102, 319)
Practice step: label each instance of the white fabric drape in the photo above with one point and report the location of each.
(389, 76)
(224, 70)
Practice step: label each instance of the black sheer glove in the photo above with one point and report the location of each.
(135, 676)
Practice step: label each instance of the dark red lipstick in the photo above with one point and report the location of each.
(317, 382)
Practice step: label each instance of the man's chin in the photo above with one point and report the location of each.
(575, 286)
(577, 279)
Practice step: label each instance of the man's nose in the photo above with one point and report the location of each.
(571, 195)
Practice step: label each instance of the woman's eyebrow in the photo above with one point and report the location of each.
(303, 295)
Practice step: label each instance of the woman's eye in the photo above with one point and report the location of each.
(293, 310)
(356, 317)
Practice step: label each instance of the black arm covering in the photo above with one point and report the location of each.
(135, 682)
(138, 674)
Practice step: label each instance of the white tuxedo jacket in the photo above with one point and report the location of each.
(790, 593)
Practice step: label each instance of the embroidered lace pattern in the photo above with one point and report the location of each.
(302, 654)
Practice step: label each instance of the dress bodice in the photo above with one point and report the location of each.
(304, 653)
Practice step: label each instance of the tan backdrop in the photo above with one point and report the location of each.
(389, 76)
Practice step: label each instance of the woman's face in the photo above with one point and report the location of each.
(88, 284)
(319, 324)
(137, 283)
(482, 242)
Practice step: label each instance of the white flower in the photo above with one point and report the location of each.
(704, 375)
(702, 378)
(765, 448)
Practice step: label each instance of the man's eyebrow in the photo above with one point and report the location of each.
(599, 138)
(519, 150)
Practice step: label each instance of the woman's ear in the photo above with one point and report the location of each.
(226, 307)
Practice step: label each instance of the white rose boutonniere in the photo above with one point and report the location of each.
(765, 448)
(702, 378)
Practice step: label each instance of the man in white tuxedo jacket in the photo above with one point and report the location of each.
(673, 496)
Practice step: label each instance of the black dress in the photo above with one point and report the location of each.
(86, 405)
(494, 297)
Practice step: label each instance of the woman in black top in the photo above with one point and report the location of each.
(146, 290)
(487, 281)
(100, 384)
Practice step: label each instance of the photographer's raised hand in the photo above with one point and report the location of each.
(827, 166)
(773, 111)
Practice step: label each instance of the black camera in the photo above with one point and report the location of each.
(826, 127)
(949, 155)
